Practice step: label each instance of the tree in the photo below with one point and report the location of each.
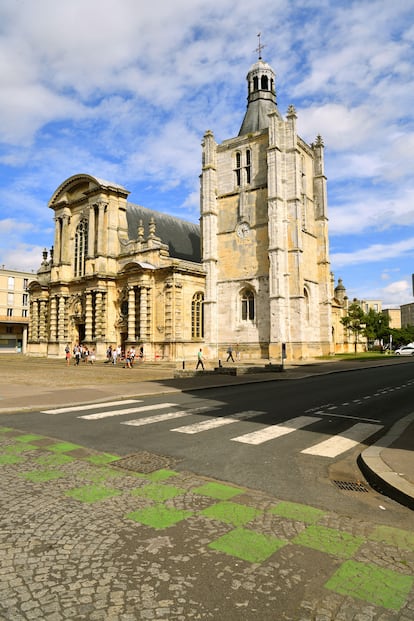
(376, 326)
(354, 321)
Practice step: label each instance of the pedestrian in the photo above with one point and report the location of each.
(127, 364)
(67, 354)
(77, 353)
(114, 354)
(92, 356)
(141, 353)
(132, 355)
(200, 360)
(230, 353)
(108, 355)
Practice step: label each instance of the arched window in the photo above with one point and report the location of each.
(255, 83)
(237, 170)
(248, 166)
(307, 304)
(81, 248)
(197, 316)
(265, 83)
(247, 305)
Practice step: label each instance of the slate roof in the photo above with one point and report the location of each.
(182, 237)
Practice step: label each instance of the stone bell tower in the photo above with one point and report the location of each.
(264, 233)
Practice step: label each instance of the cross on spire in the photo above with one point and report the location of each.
(260, 47)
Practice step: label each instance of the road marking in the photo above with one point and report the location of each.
(366, 420)
(213, 423)
(276, 431)
(139, 422)
(143, 408)
(94, 406)
(344, 441)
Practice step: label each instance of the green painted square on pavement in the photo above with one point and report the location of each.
(247, 545)
(92, 493)
(393, 536)
(54, 460)
(103, 458)
(159, 493)
(16, 449)
(158, 516)
(335, 542)
(161, 475)
(10, 459)
(231, 513)
(376, 585)
(218, 490)
(63, 447)
(5, 429)
(28, 437)
(296, 511)
(42, 476)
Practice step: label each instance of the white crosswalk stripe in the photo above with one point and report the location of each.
(276, 431)
(93, 406)
(344, 441)
(331, 447)
(143, 408)
(160, 418)
(214, 423)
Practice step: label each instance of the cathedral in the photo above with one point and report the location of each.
(255, 274)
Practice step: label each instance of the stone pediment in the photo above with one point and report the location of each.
(79, 187)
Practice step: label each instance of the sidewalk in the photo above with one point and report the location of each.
(387, 465)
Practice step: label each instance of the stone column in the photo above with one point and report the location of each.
(131, 314)
(53, 319)
(143, 314)
(91, 232)
(88, 317)
(42, 320)
(98, 315)
(61, 318)
(101, 211)
(64, 252)
(34, 321)
(57, 245)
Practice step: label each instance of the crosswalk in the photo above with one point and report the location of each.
(330, 447)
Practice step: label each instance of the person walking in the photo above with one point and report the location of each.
(200, 359)
(67, 354)
(230, 353)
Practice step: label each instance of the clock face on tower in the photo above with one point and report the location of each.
(243, 230)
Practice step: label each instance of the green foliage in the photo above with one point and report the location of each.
(372, 325)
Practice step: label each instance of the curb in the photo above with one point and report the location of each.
(379, 474)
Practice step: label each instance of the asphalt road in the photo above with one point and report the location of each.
(286, 459)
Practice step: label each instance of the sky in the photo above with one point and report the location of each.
(124, 90)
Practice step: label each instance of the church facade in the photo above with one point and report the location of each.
(255, 274)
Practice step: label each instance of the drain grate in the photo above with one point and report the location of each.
(145, 462)
(351, 486)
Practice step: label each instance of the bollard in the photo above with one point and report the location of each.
(183, 365)
(220, 365)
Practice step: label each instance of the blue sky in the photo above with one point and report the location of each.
(125, 89)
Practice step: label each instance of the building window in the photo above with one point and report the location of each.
(10, 283)
(307, 304)
(247, 305)
(25, 283)
(197, 316)
(25, 299)
(81, 247)
(9, 312)
(10, 299)
(25, 312)
(238, 168)
(248, 166)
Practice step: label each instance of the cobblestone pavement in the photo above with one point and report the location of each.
(90, 536)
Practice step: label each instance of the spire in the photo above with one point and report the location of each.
(261, 95)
